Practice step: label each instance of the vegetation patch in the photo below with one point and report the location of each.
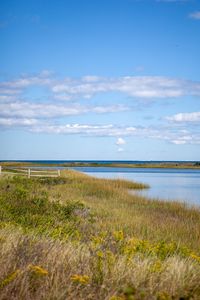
(78, 237)
(25, 203)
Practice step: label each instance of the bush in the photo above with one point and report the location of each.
(26, 203)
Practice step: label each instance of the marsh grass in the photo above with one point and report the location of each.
(78, 237)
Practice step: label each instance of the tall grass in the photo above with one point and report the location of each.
(78, 237)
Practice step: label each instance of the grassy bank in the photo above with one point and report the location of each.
(78, 237)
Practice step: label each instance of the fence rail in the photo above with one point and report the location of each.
(30, 172)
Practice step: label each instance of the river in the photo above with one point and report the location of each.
(167, 184)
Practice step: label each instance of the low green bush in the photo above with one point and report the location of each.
(26, 203)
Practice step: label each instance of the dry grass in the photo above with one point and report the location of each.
(138, 216)
(33, 268)
(79, 237)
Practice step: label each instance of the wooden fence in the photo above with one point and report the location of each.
(28, 172)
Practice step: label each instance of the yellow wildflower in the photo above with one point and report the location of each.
(100, 254)
(117, 298)
(156, 267)
(118, 235)
(97, 240)
(81, 279)
(196, 257)
(163, 296)
(9, 278)
(37, 270)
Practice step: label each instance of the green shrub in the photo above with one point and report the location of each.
(26, 203)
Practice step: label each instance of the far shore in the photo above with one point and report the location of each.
(164, 165)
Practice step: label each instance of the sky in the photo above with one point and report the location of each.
(100, 80)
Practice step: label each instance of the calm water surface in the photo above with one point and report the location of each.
(167, 184)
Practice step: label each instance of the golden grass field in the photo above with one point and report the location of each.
(79, 237)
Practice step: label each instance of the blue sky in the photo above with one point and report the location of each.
(100, 79)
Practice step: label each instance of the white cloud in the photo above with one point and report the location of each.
(108, 109)
(25, 82)
(108, 130)
(185, 117)
(85, 129)
(18, 85)
(62, 97)
(145, 87)
(179, 142)
(135, 86)
(91, 78)
(46, 110)
(10, 92)
(120, 141)
(120, 150)
(186, 139)
(13, 122)
(6, 98)
(47, 117)
(172, 135)
(195, 15)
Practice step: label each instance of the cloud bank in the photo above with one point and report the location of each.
(66, 97)
(145, 87)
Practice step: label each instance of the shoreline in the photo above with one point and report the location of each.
(157, 165)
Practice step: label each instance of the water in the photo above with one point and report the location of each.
(167, 184)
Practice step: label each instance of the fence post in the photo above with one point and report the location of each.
(0, 170)
(29, 173)
(58, 173)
